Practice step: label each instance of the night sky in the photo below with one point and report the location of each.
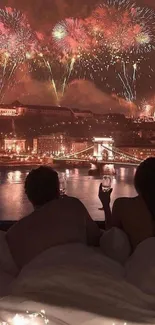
(43, 11)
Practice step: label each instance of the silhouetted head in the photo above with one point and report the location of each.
(42, 185)
(145, 183)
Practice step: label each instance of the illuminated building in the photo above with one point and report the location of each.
(45, 111)
(77, 146)
(48, 111)
(82, 114)
(8, 112)
(17, 109)
(35, 146)
(140, 152)
(15, 145)
(12, 110)
(59, 145)
(55, 144)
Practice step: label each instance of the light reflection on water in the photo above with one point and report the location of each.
(14, 204)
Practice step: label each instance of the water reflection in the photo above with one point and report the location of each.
(14, 204)
(14, 177)
(122, 173)
(67, 172)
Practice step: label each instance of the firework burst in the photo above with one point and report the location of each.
(124, 34)
(124, 27)
(70, 36)
(17, 40)
(18, 44)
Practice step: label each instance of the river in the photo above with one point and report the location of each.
(14, 204)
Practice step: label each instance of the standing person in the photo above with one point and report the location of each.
(135, 216)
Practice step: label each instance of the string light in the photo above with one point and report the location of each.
(35, 318)
(38, 318)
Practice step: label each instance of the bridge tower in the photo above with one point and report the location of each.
(103, 148)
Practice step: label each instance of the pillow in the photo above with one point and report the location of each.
(7, 263)
(115, 244)
(140, 268)
(5, 281)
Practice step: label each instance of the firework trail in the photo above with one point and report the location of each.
(71, 38)
(128, 81)
(64, 86)
(52, 79)
(70, 68)
(134, 79)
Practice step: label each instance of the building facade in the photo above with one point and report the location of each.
(59, 145)
(14, 145)
(83, 114)
(8, 112)
(78, 146)
(54, 144)
(17, 109)
(139, 152)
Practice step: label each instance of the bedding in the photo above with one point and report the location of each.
(78, 285)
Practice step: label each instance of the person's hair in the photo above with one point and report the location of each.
(42, 185)
(145, 183)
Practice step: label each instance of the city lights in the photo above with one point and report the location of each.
(57, 134)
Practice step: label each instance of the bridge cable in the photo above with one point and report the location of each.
(122, 153)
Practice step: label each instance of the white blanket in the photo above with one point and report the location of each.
(77, 285)
(140, 268)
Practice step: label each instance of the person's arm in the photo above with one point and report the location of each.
(93, 232)
(112, 218)
(105, 200)
(116, 214)
(108, 217)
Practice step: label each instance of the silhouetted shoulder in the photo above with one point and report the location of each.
(92, 231)
(123, 208)
(72, 199)
(125, 201)
(72, 203)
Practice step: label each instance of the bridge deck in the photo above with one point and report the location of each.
(99, 162)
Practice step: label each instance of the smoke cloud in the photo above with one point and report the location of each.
(30, 91)
(79, 94)
(84, 94)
